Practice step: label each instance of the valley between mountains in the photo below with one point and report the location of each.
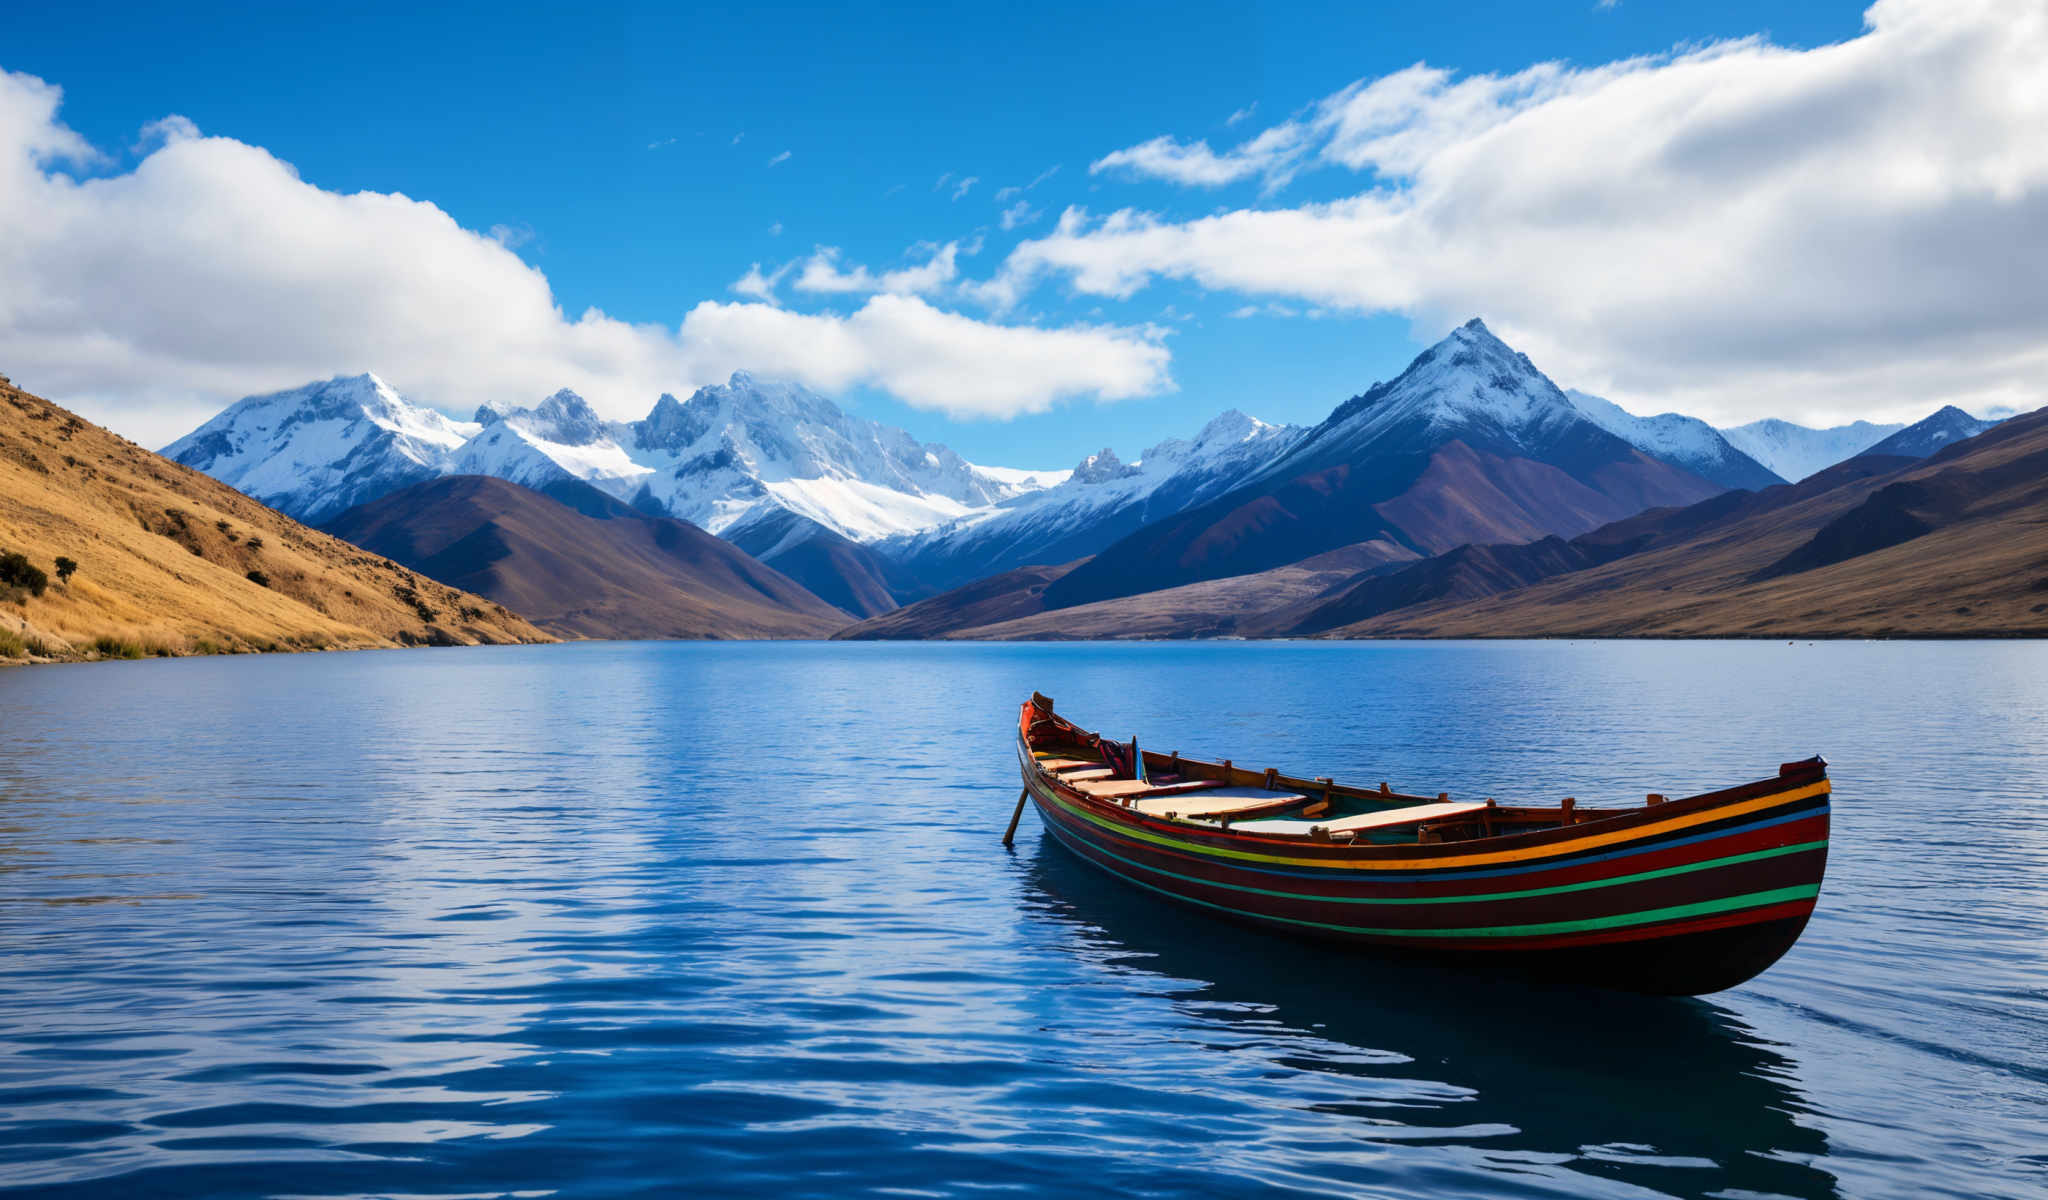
(1467, 496)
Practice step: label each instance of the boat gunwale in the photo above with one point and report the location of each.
(1792, 776)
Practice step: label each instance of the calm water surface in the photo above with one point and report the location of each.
(659, 919)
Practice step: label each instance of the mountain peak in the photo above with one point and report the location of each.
(1940, 428)
(1470, 385)
(563, 417)
(1231, 425)
(1101, 467)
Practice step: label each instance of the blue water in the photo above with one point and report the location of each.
(647, 919)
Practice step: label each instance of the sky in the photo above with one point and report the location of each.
(1033, 231)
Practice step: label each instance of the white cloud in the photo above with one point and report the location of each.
(1020, 213)
(823, 274)
(1736, 230)
(775, 230)
(1241, 115)
(779, 159)
(758, 286)
(930, 358)
(149, 298)
(1273, 156)
(961, 189)
(173, 128)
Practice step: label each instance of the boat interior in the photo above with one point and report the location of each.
(1268, 802)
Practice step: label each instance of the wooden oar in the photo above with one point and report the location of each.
(1010, 834)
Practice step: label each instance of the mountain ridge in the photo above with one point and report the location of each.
(729, 454)
(1470, 442)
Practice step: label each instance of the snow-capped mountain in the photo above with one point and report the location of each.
(1101, 500)
(1470, 386)
(740, 450)
(316, 450)
(1795, 451)
(1680, 440)
(1945, 427)
(733, 453)
(560, 438)
(1470, 444)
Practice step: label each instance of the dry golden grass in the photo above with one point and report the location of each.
(170, 560)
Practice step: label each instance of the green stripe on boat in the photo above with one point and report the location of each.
(1524, 894)
(1650, 916)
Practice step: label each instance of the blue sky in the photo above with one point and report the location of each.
(635, 154)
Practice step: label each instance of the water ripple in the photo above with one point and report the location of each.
(633, 920)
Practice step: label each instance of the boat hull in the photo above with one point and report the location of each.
(1685, 898)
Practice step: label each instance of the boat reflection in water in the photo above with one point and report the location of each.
(1677, 1095)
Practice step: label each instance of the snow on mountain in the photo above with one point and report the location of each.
(1795, 451)
(1099, 501)
(1922, 438)
(1680, 440)
(316, 450)
(1470, 387)
(1026, 480)
(736, 451)
(730, 454)
(562, 437)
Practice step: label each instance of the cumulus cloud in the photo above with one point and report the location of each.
(1736, 230)
(147, 298)
(928, 357)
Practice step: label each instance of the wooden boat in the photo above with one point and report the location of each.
(1673, 896)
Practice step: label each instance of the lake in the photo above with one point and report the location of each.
(638, 919)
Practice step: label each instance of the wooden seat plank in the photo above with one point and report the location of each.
(1216, 800)
(1388, 819)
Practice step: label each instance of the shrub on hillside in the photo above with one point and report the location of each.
(113, 647)
(17, 571)
(66, 568)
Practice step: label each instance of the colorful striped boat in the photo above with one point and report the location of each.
(1676, 897)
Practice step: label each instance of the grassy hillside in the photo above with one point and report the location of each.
(173, 562)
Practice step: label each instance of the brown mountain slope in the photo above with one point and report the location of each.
(1240, 606)
(170, 560)
(838, 570)
(1955, 545)
(598, 569)
(1475, 570)
(1011, 606)
(1004, 597)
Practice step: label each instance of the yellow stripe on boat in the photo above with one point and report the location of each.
(1491, 858)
